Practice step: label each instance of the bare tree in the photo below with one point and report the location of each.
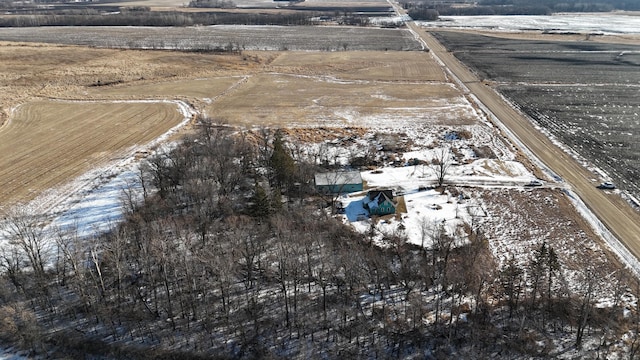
(72, 256)
(586, 303)
(441, 164)
(19, 325)
(634, 347)
(11, 264)
(25, 231)
(264, 139)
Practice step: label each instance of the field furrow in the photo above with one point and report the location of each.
(48, 143)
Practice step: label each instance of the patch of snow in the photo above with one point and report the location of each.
(11, 354)
(102, 207)
(93, 202)
(427, 207)
(604, 23)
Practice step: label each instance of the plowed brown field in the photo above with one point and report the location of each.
(47, 143)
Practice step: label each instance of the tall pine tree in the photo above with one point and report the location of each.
(282, 164)
(260, 203)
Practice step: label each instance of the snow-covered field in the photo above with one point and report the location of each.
(604, 23)
(425, 204)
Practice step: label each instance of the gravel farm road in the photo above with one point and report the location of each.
(614, 213)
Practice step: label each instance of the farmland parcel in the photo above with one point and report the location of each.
(585, 94)
(48, 143)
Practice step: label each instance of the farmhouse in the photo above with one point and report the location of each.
(338, 182)
(380, 202)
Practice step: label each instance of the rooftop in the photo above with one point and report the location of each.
(338, 178)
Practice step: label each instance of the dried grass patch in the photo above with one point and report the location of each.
(208, 88)
(291, 100)
(320, 134)
(520, 221)
(412, 66)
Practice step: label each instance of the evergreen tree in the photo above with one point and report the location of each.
(260, 203)
(537, 271)
(276, 201)
(282, 164)
(512, 280)
(553, 268)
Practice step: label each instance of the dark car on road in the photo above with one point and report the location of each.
(533, 183)
(606, 185)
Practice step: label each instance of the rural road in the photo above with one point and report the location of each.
(614, 213)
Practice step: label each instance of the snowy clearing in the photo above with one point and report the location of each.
(614, 24)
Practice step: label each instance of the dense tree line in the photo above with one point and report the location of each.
(419, 13)
(137, 17)
(223, 4)
(232, 255)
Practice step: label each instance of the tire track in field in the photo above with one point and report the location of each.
(231, 88)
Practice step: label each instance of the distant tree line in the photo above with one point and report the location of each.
(420, 13)
(141, 17)
(222, 4)
(230, 255)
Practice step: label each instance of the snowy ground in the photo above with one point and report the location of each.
(425, 204)
(601, 23)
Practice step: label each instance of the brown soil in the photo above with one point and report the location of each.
(48, 143)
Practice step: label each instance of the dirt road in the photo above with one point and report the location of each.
(621, 220)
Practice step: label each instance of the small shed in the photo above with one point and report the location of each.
(338, 182)
(380, 202)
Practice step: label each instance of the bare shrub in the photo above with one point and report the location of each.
(483, 152)
(19, 325)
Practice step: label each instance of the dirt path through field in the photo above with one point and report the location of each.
(613, 212)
